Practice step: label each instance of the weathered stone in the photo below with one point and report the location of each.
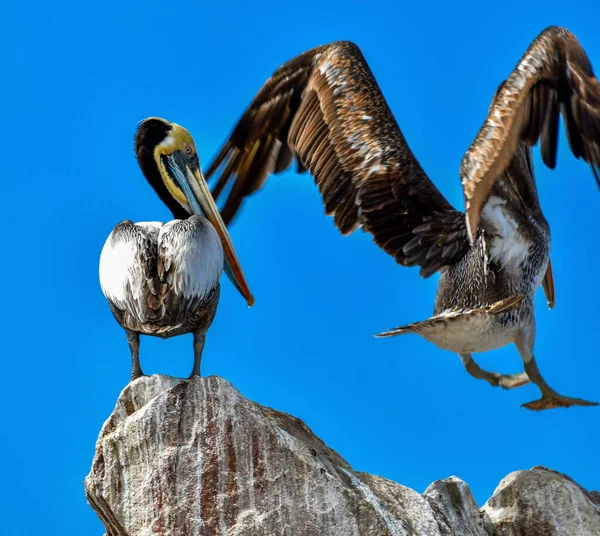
(455, 508)
(195, 458)
(409, 507)
(541, 502)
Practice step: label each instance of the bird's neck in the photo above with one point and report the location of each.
(153, 176)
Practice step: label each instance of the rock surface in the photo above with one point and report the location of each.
(196, 458)
(541, 501)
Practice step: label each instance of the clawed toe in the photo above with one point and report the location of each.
(557, 401)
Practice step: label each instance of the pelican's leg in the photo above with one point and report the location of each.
(199, 338)
(506, 381)
(133, 338)
(550, 398)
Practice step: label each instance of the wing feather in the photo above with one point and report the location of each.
(553, 76)
(189, 264)
(127, 271)
(157, 274)
(325, 110)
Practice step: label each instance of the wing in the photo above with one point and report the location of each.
(554, 76)
(189, 265)
(325, 110)
(128, 270)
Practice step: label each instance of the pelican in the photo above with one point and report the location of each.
(163, 279)
(324, 110)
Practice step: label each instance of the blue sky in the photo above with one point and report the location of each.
(78, 78)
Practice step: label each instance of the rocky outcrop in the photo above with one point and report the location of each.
(542, 502)
(194, 457)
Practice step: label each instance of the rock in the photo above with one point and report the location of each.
(455, 508)
(541, 501)
(195, 458)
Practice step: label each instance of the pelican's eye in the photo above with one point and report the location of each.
(189, 150)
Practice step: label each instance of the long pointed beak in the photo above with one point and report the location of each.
(548, 286)
(201, 202)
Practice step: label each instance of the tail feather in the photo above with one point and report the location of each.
(416, 327)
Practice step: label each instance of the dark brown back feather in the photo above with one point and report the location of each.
(325, 109)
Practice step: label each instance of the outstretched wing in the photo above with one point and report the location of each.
(325, 110)
(554, 76)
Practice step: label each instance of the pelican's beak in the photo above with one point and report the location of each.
(548, 285)
(192, 182)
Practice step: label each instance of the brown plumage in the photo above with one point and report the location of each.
(325, 109)
(553, 77)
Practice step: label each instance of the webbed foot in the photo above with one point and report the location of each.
(556, 401)
(550, 398)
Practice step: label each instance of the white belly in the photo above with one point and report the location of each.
(465, 334)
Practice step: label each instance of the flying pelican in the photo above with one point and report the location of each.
(163, 279)
(325, 110)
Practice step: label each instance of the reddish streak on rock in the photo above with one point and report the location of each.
(232, 490)
(258, 464)
(210, 472)
(217, 464)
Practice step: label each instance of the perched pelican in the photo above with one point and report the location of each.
(325, 110)
(162, 279)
